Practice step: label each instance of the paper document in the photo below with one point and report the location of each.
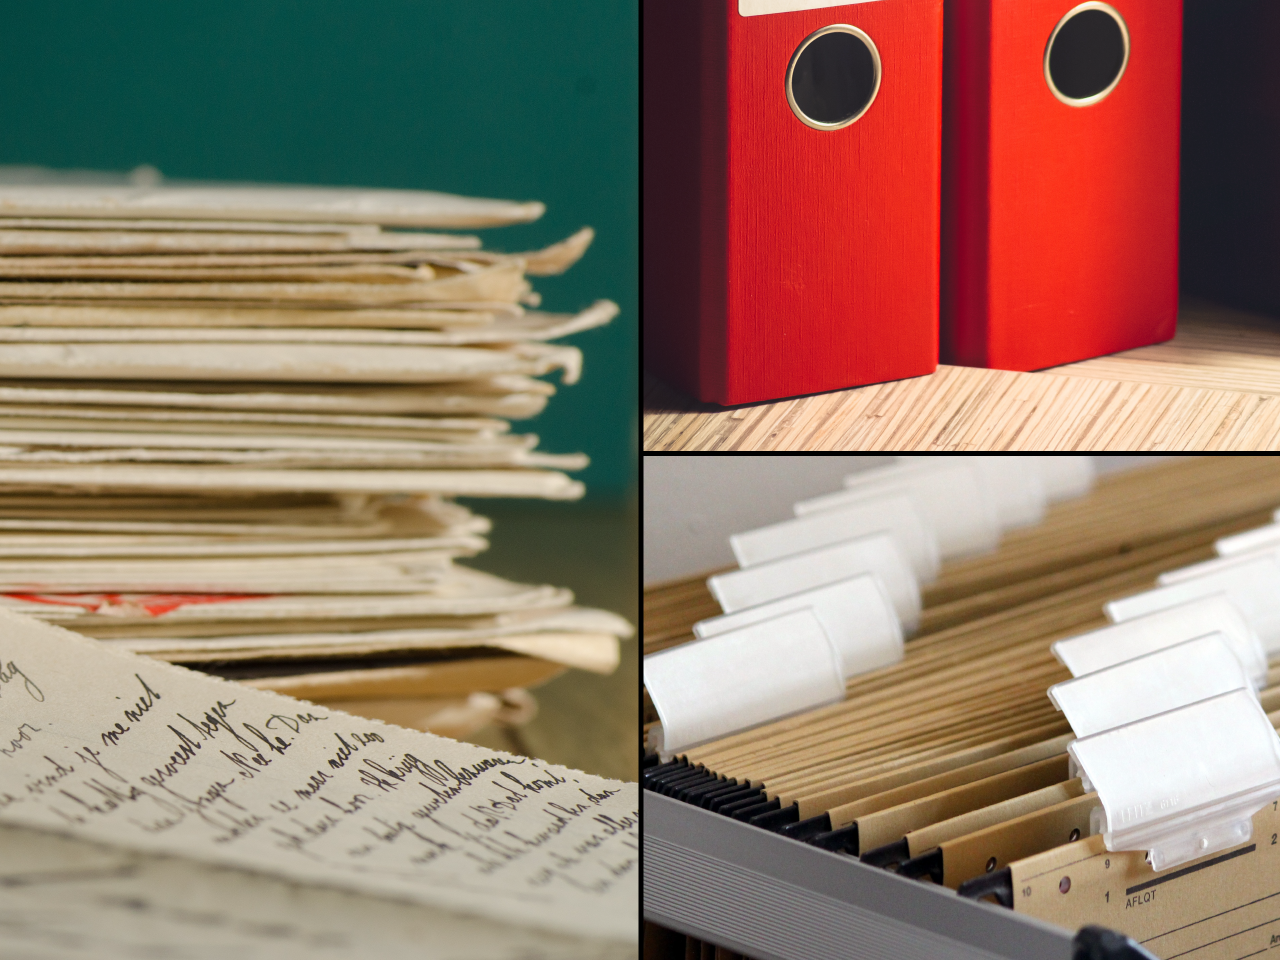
(144, 755)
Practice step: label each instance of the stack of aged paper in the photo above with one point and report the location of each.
(951, 767)
(233, 419)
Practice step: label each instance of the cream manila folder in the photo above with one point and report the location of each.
(121, 749)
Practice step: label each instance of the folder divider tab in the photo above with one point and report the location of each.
(952, 500)
(1204, 568)
(1015, 485)
(1062, 478)
(1153, 683)
(892, 513)
(1017, 488)
(1253, 586)
(856, 613)
(1185, 783)
(1065, 478)
(1249, 541)
(714, 687)
(877, 554)
(1098, 649)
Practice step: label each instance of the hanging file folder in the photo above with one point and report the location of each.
(1146, 806)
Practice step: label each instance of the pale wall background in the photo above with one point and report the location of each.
(693, 503)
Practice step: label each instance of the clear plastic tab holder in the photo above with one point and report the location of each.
(958, 508)
(1153, 683)
(1107, 646)
(893, 515)
(856, 613)
(1182, 784)
(711, 688)
(1253, 586)
(877, 554)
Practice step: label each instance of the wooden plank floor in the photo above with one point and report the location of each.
(1215, 386)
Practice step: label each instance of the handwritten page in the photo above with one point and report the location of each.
(137, 753)
(68, 899)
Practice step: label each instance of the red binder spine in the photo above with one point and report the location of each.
(787, 258)
(1060, 212)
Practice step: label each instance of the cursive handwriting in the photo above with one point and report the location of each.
(285, 786)
(10, 672)
(294, 723)
(133, 714)
(24, 736)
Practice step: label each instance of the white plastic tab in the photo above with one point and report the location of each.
(877, 554)
(1014, 484)
(893, 515)
(1205, 567)
(1153, 683)
(1251, 541)
(1252, 586)
(1182, 784)
(1065, 478)
(856, 614)
(1099, 649)
(711, 688)
(954, 502)
(1017, 487)
(1061, 477)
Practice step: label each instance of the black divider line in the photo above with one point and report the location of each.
(1199, 866)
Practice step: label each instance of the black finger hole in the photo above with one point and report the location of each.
(1087, 55)
(833, 78)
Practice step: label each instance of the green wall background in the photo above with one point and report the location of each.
(518, 99)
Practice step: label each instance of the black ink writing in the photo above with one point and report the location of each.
(24, 737)
(9, 672)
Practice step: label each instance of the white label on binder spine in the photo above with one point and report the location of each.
(766, 582)
(892, 515)
(1182, 784)
(951, 499)
(752, 8)
(1253, 586)
(856, 613)
(711, 688)
(1153, 683)
(1099, 649)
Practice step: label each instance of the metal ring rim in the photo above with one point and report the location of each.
(1124, 65)
(875, 89)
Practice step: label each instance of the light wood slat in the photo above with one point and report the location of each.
(1213, 387)
(1216, 347)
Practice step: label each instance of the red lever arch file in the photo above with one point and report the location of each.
(1060, 215)
(791, 194)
